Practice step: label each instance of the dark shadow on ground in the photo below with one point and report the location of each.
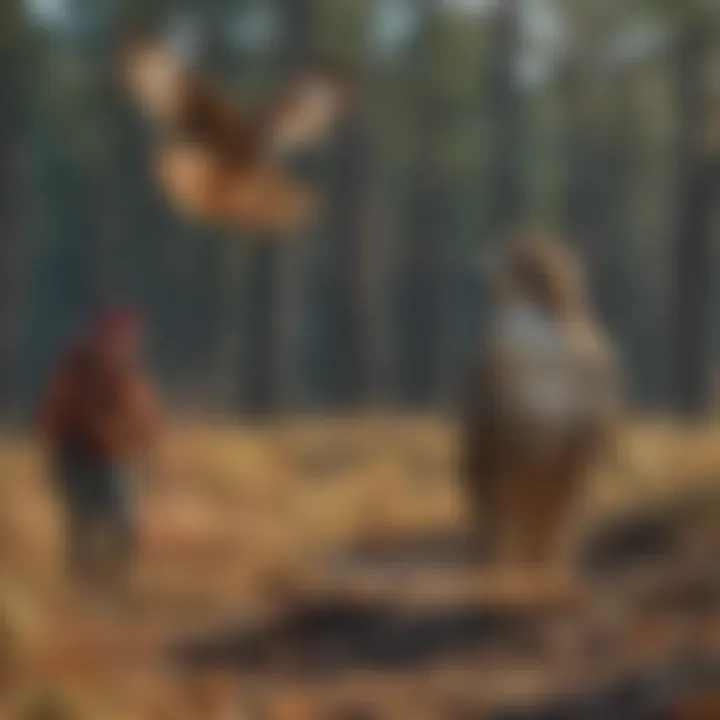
(624, 544)
(336, 636)
(340, 633)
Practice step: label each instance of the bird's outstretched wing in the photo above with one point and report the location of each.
(307, 109)
(176, 98)
(218, 164)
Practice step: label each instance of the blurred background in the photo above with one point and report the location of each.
(597, 119)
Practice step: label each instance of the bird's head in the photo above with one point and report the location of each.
(544, 271)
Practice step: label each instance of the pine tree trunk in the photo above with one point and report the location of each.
(697, 186)
(273, 358)
(11, 189)
(272, 353)
(358, 268)
(426, 266)
(506, 184)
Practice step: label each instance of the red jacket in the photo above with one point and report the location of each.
(111, 412)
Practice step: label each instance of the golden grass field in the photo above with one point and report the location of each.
(242, 520)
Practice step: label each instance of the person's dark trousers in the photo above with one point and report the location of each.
(99, 514)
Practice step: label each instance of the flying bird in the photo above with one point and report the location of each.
(220, 163)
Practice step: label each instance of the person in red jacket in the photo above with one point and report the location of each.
(99, 417)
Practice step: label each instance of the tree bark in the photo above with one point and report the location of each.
(11, 191)
(427, 262)
(697, 187)
(273, 358)
(506, 173)
(358, 268)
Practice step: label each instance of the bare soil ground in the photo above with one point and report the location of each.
(318, 569)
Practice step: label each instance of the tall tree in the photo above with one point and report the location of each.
(698, 180)
(11, 182)
(358, 273)
(274, 267)
(596, 171)
(356, 253)
(427, 261)
(583, 151)
(505, 102)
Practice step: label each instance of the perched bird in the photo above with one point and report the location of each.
(540, 404)
(217, 162)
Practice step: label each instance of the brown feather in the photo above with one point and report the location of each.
(259, 197)
(542, 403)
(218, 164)
(307, 109)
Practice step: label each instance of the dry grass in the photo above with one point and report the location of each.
(244, 519)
